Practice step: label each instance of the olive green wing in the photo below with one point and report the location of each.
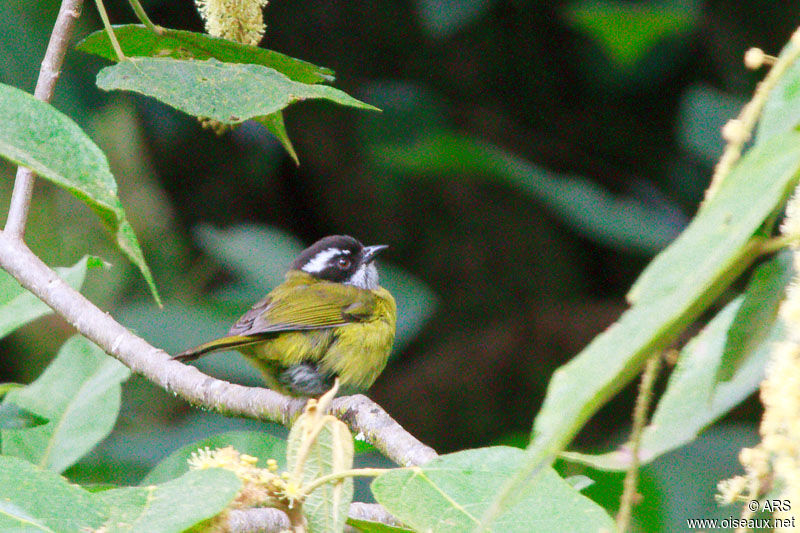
(304, 307)
(293, 307)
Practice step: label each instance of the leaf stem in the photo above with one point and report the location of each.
(68, 13)
(643, 401)
(141, 14)
(366, 472)
(101, 8)
(741, 128)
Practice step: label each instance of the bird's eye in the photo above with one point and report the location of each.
(343, 262)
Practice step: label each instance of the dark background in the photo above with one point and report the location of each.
(502, 277)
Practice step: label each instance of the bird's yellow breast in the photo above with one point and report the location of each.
(356, 352)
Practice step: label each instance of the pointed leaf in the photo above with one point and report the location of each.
(41, 500)
(257, 444)
(681, 281)
(37, 136)
(756, 316)
(15, 417)
(172, 507)
(138, 41)
(693, 399)
(18, 306)
(227, 92)
(327, 507)
(452, 492)
(275, 125)
(676, 287)
(80, 394)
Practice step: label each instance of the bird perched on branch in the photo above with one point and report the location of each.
(328, 318)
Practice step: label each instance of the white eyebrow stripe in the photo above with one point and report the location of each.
(320, 261)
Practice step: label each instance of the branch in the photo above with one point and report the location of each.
(360, 413)
(48, 75)
(269, 520)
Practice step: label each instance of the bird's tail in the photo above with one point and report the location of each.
(232, 341)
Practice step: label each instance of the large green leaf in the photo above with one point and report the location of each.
(782, 109)
(451, 493)
(36, 135)
(138, 41)
(622, 223)
(171, 507)
(676, 287)
(261, 445)
(694, 399)
(227, 92)
(41, 500)
(330, 452)
(18, 306)
(79, 393)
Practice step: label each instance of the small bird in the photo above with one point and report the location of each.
(328, 319)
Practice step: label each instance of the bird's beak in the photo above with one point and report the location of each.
(370, 252)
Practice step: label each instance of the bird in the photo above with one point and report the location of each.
(329, 318)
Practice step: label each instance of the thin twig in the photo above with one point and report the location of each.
(336, 476)
(142, 16)
(360, 413)
(101, 8)
(643, 401)
(69, 12)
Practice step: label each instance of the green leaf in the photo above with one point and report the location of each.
(18, 306)
(367, 526)
(40, 500)
(138, 41)
(5, 388)
(693, 399)
(15, 417)
(37, 136)
(331, 452)
(261, 445)
(756, 315)
(628, 32)
(675, 288)
(452, 492)
(171, 507)
(622, 223)
(79, 393)
(227, 92)
(275, 125)
(782, 109)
